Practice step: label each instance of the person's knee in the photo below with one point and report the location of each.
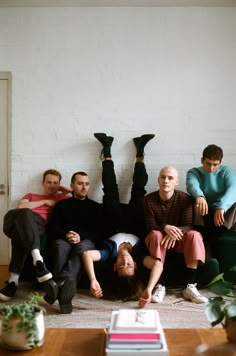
(154, 235)
(14, 217)
(193, 235)
(83, 246)
(58, 243)
(24, 213)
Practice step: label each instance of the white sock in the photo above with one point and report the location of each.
(36, 255)
(14, 277)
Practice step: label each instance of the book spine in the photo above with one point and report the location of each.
(134, 337)
(135, 347)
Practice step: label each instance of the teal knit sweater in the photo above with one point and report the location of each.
(218, 188)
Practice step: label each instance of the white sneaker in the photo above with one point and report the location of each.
(191, 293)
(158, 294)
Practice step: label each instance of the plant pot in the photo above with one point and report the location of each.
(12, 338)
(230, 328)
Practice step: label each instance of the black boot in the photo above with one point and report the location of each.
(106, 141)
(140, 143)
(67, 290)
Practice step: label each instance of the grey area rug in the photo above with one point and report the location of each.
(89, 312)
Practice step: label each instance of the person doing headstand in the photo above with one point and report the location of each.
(125, 226)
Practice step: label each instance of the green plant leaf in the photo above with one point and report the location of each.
(219, 277)
(35, 298)
(214, 310)
(222, 288)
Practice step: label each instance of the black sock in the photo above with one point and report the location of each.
(162, 281)
(190, 275)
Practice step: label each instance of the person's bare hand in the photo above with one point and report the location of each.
(145, 298)
(202, 206)
(95, 289)
(64, 190)
(73, 237)
(173, 231)
(168, 242)
(219, 217)
(173, 234)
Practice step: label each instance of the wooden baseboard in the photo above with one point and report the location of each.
(4, 275)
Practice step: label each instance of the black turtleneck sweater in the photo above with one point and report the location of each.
(81, 216)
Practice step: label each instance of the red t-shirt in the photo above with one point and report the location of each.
(44, 210)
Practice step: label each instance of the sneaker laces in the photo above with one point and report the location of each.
(194, 291)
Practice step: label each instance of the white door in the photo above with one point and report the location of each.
(5, 96)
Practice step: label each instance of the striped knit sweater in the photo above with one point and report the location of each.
(177, 211)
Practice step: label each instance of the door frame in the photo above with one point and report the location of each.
(7, 76)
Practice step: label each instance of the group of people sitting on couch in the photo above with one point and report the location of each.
(125, 238)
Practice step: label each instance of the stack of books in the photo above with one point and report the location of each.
(135, 332)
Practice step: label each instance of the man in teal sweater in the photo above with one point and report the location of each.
(213, 187)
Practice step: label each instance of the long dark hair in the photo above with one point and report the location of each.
(125, 288)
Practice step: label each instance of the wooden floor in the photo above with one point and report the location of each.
(3, 275)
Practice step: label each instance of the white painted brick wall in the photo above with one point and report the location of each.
(123, 71)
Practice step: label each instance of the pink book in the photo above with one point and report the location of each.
(134, 337)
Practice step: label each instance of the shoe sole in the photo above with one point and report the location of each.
(51, 289)
(66, 308)
(193, 301)
(156, 301)
(4, 298)
(44, 278)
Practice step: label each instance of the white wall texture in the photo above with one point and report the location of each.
(124, 71)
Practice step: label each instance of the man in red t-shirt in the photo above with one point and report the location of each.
(25, 225)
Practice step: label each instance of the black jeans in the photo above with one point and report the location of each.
(124, 217)
(67, 261)
(24, 228)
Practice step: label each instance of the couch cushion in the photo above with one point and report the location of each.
(226, 254)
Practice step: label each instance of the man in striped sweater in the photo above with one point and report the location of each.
(169, 215)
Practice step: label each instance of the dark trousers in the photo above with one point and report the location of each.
(210, 232)
(124, 217)
(24, 228)
(67, 261)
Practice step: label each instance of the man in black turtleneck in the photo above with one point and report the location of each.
(73, 229)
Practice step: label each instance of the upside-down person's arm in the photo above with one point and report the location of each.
(156, 267)
(89, 257)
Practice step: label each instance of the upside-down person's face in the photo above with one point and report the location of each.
(125, 265)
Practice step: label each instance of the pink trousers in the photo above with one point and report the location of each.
(191, 246)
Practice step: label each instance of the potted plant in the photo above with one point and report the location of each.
(23, 324)
(220, 310)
